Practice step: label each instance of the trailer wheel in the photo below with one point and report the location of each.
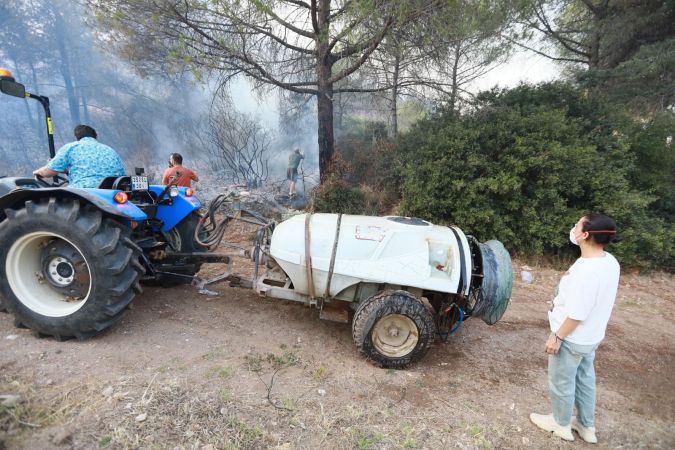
(182, 239)
(65, 270)
(393, 328)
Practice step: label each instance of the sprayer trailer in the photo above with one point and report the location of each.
(406, 280)
(72, 260)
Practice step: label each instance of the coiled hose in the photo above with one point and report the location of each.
(211, 229)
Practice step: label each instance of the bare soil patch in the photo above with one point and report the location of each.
(183, 370)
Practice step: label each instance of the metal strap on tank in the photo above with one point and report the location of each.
(332, 256)
(308, 257)
(462, 263)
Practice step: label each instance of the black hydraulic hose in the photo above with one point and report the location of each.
(210, 230)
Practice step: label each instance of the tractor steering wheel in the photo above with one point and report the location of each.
(57, 180)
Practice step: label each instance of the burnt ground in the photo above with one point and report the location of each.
(183, 370)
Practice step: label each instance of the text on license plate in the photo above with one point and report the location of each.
(139, 183)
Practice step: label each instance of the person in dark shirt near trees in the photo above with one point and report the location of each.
(292, 172)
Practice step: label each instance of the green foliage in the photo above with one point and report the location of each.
(337, 196)
(357, 144)
(341, 197)
(621, 50)
(653, 144)
(365, 175)
(222, 372)
(524, 167)
(366, 440)
(260, 361)
(408, 437)
(645, 83)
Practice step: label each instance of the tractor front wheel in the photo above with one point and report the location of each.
(65, 269)
(393, 328)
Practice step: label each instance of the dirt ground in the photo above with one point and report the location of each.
(183, 370)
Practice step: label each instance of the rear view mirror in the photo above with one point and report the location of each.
(12, 88)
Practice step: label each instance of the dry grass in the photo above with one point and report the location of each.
(41, 406)
(173, 412)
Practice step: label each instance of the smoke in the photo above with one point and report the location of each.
(144, 119)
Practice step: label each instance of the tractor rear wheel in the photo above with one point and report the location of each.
(182, 240)
(65, 269)
(393, 328)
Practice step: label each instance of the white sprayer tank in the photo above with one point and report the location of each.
(395, 250)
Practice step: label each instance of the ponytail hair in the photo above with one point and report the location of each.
(600, 228)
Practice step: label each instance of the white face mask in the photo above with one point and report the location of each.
(573, 237)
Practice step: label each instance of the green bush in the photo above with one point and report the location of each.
(337, 195)
(524, 166)
(653, 144)
(365, 175)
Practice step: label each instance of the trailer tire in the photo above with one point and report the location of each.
(182, 236)
(65, 269)
(393, 328)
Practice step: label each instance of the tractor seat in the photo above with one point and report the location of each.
(8, 184)
(122, 183)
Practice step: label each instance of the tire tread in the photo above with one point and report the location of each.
(115, 260)
(366, 315)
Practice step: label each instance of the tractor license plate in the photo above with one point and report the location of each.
(139, 183)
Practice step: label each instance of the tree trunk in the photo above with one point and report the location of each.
(599, 15)
(594, 59)
(394, 94)
(340, 111)
(324, 69)
(73, 103)
(82, 91)
(85, 106)
(325, 119)
(455, 86)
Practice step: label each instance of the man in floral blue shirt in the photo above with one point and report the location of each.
(86, 161)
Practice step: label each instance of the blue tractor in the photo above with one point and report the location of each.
(71, 260)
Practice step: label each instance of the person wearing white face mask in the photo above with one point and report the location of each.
(578, 320)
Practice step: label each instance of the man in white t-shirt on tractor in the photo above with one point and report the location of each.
(578, 320)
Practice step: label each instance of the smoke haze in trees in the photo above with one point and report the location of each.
(51, 50)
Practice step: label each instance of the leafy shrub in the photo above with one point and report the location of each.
(337, 195)
(523, 168)
(653, 144)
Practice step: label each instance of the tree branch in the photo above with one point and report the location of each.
(375, 42)
(267, 10)
(297, 3)
(315, 21)
(552, 58)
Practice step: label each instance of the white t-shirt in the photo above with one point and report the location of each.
(587, 293)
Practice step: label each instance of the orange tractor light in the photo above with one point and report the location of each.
(6, 74)
(188, 192)
(121, 197)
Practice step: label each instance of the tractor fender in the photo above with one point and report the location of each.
(102, 199)
(180, 207)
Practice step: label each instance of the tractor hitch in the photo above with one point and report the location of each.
(195, 258)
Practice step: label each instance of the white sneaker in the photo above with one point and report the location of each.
(547, 423)
(585, 433)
